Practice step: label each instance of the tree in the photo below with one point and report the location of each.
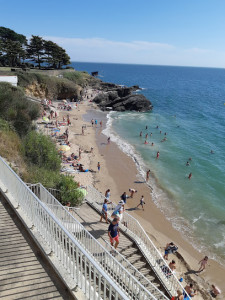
(56, 55)
(35, 49)
(12, 47)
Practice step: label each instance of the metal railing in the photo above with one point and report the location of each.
(117, 270)
(78, 263)
(134, 229)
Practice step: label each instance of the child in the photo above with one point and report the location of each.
(141, 202)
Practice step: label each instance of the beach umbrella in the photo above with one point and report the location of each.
(83, 191)
(64, 148)
(45, 119)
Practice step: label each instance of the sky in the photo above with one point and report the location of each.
(158, 32)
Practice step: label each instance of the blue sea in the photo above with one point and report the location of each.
(189, 106)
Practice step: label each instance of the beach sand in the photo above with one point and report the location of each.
(118, 173)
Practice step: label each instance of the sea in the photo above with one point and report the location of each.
(189, 111)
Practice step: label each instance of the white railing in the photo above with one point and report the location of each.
(106, 260)
(78, 263)
(134, 229)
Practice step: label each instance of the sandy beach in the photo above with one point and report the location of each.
(118, 173)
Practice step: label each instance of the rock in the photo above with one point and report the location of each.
(121, 99)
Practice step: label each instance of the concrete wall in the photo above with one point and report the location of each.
(11, 79)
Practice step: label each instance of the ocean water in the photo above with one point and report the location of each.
(189, 106)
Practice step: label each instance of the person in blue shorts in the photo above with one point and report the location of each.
(104, 210)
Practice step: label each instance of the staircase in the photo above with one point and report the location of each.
(127, 249)
(23, 273)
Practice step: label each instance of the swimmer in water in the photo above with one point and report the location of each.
(151, 134)
(212, 152)
(187, 163)
(152, 144)
(141, 133)
(157, 155)
(160, 132)
(145, 142)
(189, 176)
(146, 136)
(190, 158)
(146, 127)
(157, 126)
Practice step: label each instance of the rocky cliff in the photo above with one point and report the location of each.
(114, 97)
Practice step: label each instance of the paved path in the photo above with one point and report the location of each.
(24, 273)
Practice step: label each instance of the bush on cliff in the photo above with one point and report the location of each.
(41, 151)
(16, 109)
(48, 86)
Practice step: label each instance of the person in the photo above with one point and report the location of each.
(124, 197)
(92, 149)
(146, 136)
(187, 163)
(189, 176)
(113, 232)
(152, 144)
(141, 133)
(104, 210)
(172, 265)
(132, 191)
(146, 127)
(189, 291)
(157, 155)
(96, 122)
(118, 211)
(101, 123)
(80, 153)
(215, 291)
(145, 142)
(170, 248)
(179, 296)
(107, 194)
(82, 130)
(203, 263)
(92, 122)
(142, 202)
(212, 152)
(147, 175)
(98, 166)
(108, 140)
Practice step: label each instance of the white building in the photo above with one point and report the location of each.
(11, 79)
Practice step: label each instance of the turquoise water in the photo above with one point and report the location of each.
(189, 107)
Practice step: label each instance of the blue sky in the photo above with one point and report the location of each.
(164, 32)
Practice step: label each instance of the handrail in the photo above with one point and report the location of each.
(136, 231)
(79, 264)
(98, 252)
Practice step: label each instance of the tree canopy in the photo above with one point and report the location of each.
(15, 49)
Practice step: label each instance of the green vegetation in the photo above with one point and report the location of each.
(15, 109)
(14, 49)
(69, 191)
(41, 151)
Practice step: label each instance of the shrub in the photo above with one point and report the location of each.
(16, 109)
(69, 190)
(47, 178)
(41, 151)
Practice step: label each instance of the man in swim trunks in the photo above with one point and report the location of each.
(113, 232)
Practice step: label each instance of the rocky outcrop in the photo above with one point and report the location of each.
(114, 97)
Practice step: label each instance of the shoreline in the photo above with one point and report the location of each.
(119, 173)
